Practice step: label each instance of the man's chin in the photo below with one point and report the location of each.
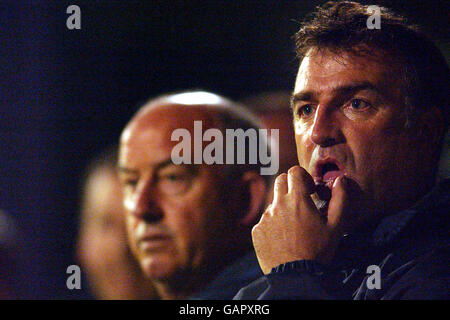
(157, 267)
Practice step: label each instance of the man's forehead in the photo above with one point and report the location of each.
(149, 134)
(162, 119)
(145, 149)
(325, 70)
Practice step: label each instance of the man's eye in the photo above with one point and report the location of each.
(173, 177)
(173, 184)
(358, 104)
(130, 182)
(305, 111)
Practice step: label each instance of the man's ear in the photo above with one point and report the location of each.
(257, 188)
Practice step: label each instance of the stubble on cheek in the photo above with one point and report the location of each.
(376, 173)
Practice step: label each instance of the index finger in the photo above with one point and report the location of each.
(300, 181)
(280, 186)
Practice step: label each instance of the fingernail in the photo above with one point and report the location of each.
(343, 180)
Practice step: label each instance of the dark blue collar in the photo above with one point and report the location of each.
(431, 206)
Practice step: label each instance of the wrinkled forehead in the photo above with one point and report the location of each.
(329, 69)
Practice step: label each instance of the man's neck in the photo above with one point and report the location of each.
(188, 282)
(185, 283)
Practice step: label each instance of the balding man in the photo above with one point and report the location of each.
(189, 222)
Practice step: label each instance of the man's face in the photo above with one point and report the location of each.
(349, 119)
(176, 214)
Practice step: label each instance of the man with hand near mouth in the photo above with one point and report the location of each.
(370, 115)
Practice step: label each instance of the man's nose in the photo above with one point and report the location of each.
(145, 203)
(326, 130)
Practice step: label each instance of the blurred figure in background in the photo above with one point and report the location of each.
(102, 247)
(274, 111)
(190, 224)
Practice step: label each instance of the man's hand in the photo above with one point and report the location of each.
(292, 228)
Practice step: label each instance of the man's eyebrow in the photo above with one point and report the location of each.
(159, 166)
(341, 90)
(121, 169)
(301, 96)
(192, 168)
(165, 164)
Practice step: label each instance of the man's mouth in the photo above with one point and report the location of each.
(330, 171)
(152, 242)
(326, 171)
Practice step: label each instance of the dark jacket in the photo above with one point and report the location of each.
(237, 275)
(410, 248)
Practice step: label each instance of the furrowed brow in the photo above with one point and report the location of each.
(301, 96)
(355, 87)
(339, 90)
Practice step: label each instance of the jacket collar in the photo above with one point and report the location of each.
(374, 239)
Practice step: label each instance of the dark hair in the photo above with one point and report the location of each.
(342, 27)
